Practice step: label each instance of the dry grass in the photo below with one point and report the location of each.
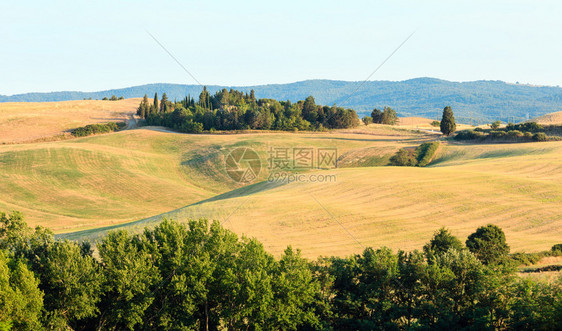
(552, 118)
(120, 177)
(515, 186)
(413, 121)
(36, 121)
(113, 179)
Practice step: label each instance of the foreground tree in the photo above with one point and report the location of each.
(488, 244)
(21, 301)
(441, 242)
(448, 125)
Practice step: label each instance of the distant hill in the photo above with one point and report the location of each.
(482, 101)
(552, 118)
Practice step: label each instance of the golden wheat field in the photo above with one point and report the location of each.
(29, 121)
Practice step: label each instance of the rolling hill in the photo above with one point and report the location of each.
(114, 178)
(31, 121)
(477, 102)
(515, 186)
(549, 119)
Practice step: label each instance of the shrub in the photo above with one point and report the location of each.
(540, 136)
(403, 158)
(97, 128)
(557, 248)
(497, 134)
(468, 135)
(478, 129)
(435, 123)
(528, 135)
(425, 152)
(514, 134)
(495, 125)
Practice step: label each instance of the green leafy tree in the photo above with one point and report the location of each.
(441, 242)
(495, 125)
(488, 244)
(295, 291)
(376, 115)
(21, 300)
(367, 120)
(448, 125)
(389, 116)
(309, 109)
(129, 282)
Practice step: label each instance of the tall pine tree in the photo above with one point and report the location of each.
(448, 125)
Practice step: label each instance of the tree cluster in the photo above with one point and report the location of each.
(112, 98)
(522, 132)
(236, 110)
(387, 116)
(91, 129)
(202, 276)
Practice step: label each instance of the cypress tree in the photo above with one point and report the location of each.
(155, 104)
(448, 125)
(164, 104)
(144, 107)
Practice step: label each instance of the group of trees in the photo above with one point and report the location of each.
(387, 116)
(522, 132)
(201, 276)
(91, 129)
(236, 110)
(112, 98)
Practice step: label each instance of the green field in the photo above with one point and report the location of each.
(111, 181)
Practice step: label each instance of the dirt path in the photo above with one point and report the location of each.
(132, 123)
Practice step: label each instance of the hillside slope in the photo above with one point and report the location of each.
(29, 121)
(516, 186)
(124, 176)
(548, 119)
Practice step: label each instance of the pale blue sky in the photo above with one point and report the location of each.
(96, 45)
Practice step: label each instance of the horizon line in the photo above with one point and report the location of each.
(294, 82)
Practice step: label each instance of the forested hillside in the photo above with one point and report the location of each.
(479, 100)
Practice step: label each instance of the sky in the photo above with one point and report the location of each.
(99, 45)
